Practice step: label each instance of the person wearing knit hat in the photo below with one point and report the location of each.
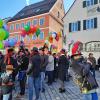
(82, 74)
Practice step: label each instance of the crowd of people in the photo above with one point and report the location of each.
(40, 67)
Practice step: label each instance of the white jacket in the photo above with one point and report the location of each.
(50, 66)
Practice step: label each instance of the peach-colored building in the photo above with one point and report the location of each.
(46, 14)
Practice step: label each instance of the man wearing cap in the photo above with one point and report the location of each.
(35, 69)
(44, 62)
(63, 65)
(82, 75)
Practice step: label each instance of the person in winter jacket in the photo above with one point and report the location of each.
(92, 61)
(35, 70)
(50, 68)
(23, 62)
(82, 74)
(2, 67)
(44, 62)
(99, 63)
(63, 66)
(8, 75)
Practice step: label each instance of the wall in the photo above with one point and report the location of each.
(78, 13)
(55, 22)
(44, 28)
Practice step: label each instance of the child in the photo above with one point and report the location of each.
(7, 83)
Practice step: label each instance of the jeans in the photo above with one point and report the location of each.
(22, 85)
(36, 83)
(87, 97)
(93, 72)
(94, 96)
(42, 83)
(91, 96)
(55, 73)
(30, 87)
(7, 96)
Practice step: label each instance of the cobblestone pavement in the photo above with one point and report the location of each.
(52, 93)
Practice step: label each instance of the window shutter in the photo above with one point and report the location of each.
(84, 4)
(95, 22)
(69, 27)
(84, 24)
(79, 25)
(95, 1)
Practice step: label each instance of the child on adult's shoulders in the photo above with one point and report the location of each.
(7, 83)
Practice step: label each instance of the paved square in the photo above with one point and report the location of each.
(52, 92)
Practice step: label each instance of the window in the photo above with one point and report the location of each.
(61, 6)
(88, 3)
(22, 25)
(34, 37)
(35, 22)
(41, 35)
(58, 14)
(12, 27)
(90, 24)
(22, 14)
(28, 38)
(37, 10)
(17, 26)
(16, 37)
(21, 38)
(29, 23)
(93, 46)
(42, 21)
(76, 26)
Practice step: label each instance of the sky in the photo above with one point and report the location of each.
(8, 8)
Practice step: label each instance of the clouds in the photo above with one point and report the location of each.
(27, 2)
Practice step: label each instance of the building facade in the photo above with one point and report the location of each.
(46, 14)
(82, 23)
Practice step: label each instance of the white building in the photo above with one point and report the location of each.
(82, 23)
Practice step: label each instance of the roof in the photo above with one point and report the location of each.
(34, 9)
(6, 19)
(69, 9)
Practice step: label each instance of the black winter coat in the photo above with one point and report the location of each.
(24, 62)
(63, 65)
(82, 70)
(36, 66)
